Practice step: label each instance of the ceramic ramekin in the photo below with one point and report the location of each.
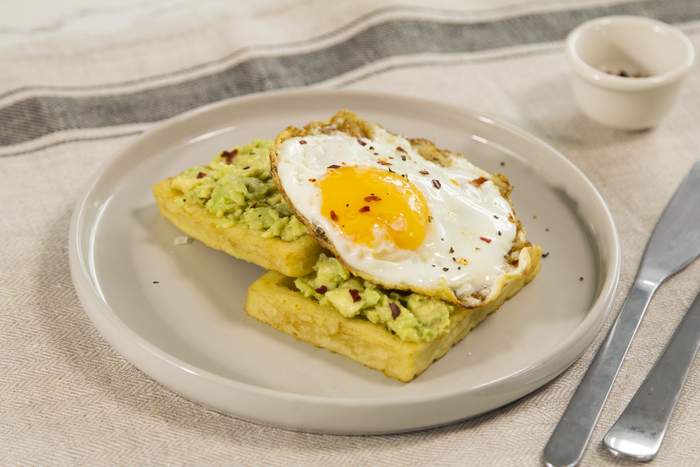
(601, 50)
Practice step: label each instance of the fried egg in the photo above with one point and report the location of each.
(391, 215)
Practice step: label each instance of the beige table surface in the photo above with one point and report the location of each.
(72, 92)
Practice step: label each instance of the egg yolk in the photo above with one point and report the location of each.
(373, 207)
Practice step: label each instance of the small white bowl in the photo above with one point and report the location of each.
(600, 49)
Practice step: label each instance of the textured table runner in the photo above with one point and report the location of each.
(68, 398)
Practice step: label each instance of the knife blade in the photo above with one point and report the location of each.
(674, 243)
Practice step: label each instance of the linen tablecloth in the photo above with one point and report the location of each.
(68, 102)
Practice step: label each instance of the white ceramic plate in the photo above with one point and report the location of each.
(176, 311)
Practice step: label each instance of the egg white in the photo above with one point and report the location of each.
(462, 215)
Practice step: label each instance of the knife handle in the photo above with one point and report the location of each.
(570, 437)
(639, 431)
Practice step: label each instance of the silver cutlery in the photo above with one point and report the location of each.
(673, 245)
(642, 426)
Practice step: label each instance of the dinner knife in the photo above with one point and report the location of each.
(673, 245)
(639, 431)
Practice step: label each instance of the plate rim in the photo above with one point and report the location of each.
(88, 295)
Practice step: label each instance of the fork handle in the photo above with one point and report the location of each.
(639, 431)
(570, 437)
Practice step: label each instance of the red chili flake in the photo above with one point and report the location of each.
(424, 172)
(395, 310)
(369, 199)
(477, 182)
(253, 206)
(229, 155)
(246, 167)
(355, 295)
(201, 175)
(384, 162)
(362, 143)
(312, 180)
(436, 184)
(334, 216)
(229, 161)
(376, 153)
(487, 240)
(364, 209)
(301, 141)
(622, 73)
(510, 218)
(322, 290)
(400, 149)
(334, 166)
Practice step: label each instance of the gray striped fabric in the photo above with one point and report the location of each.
(40, 114)
(68, 398)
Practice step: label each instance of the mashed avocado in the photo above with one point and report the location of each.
(413, 317)
(237, 186)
